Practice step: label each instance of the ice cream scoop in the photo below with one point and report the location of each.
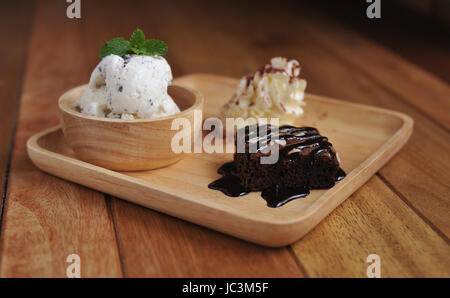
(129, 87)
(274, 91)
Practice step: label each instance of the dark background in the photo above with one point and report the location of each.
(418, 30)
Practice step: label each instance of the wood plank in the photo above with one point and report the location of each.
(374, 221)
(328, 75)
(416, 37)
(11, 75)
(153, 244)
(46, 218)
(157, 245)
(419, 88)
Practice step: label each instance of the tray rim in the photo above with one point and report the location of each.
(381, 155)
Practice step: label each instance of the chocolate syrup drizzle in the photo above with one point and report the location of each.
(291, 141)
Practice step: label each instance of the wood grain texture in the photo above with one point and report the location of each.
(157, 245)
(419, 88)
(374, 221)
(46, 219)
(11, 75)
(406, 33)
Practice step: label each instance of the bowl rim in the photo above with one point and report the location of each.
(198, 102)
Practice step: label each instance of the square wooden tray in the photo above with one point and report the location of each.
(366, 138)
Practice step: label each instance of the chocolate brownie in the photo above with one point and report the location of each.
(306, 160)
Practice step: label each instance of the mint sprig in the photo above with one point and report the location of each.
(137, 45)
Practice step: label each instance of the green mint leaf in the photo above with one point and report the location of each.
(137, 45)
(155, 47)
(137, 39)
(116, 46)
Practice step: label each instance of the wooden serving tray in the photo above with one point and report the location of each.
(366, 138)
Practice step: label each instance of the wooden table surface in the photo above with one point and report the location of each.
(401, 214)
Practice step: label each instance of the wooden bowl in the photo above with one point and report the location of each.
(126, 145)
